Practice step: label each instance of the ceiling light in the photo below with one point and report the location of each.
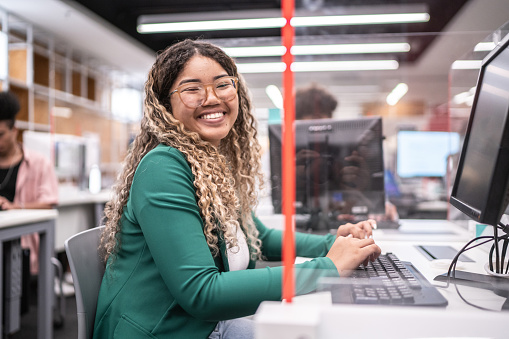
(364, 19)
(303, 21)
(213, 25)
(261, 51)
(266, 51)
(351, 48)
(397, 93)
(262, 67)
(363, 65)
(466, 98)
(466, 64)
(318, 66)
(484, 47)
(275, 95)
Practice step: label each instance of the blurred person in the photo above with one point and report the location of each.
(27, 178)
(316, 102)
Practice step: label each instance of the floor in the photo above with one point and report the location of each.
(67, 330)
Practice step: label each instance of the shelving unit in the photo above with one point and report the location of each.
(61, 90)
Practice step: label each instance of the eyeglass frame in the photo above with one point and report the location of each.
(235, 83)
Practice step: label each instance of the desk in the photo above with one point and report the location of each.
(315, 317)
(14, 224)
(77, 212)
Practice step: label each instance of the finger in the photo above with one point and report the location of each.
(365, 226)
(355, 232)
(369, 225)
(372, 223)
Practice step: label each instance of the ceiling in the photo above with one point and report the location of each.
(125, 13)
(107, 29)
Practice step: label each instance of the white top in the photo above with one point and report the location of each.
(238, 256)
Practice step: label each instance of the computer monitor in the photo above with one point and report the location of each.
(339, 169)
(424, 153)
(481, 185)
(480, 188)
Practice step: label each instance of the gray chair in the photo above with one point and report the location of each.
(87, 270)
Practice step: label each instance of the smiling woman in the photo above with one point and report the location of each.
(209, 110)
(181, 241)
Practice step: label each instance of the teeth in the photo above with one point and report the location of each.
(211, 116)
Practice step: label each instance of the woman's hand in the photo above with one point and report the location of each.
(360, 230)
(347, 253)
(5, 204)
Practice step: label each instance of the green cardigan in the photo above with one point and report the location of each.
(165, 283)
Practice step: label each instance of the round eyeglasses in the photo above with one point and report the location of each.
(194, 94)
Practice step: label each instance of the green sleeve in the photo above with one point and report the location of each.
(163, 202)
(306, 245)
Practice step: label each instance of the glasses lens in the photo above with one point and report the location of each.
(225, 89)
(194, 94)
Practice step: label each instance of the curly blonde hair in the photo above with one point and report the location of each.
(226, 178)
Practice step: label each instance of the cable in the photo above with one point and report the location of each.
(505, 229)
(497, 251)
(452, 267)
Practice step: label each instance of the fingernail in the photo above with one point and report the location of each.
(373, 225)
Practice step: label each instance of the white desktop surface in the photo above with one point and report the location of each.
(73, 196)
(315, 317)
(12, 218)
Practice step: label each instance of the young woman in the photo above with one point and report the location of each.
(181, 240)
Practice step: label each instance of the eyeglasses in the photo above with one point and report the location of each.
(194, 94)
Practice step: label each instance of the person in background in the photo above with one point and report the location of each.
(27, 178)
(316, 102)
(181, 240)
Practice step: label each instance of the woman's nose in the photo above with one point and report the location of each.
(211, 97)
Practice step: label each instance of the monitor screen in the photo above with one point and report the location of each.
(339, 167)
(480, 187)
(424, 153)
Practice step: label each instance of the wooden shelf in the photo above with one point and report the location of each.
(48, 76)
(22, 94)
(41, 70)
(18, 64)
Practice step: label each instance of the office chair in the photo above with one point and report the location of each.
(87, 270)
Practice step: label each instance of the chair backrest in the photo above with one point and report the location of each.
(87, 270)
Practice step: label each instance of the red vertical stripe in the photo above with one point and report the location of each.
(288, 161)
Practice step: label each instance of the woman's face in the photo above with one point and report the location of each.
(214, 118)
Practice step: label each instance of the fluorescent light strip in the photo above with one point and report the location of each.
(275, 95)
(366, 19)
(364, 65)
(397, 93)
(214, 25)
(466, 64)
(484, 47)
(265, 51)
(335, 20)
(262, 51)
(351, 48)
(262, 67)
(318, 66)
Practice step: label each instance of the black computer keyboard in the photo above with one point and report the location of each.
(385, 281)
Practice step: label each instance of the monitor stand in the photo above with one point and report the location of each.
(499, 286)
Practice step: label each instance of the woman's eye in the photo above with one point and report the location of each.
(223, 85)
(191, 89)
